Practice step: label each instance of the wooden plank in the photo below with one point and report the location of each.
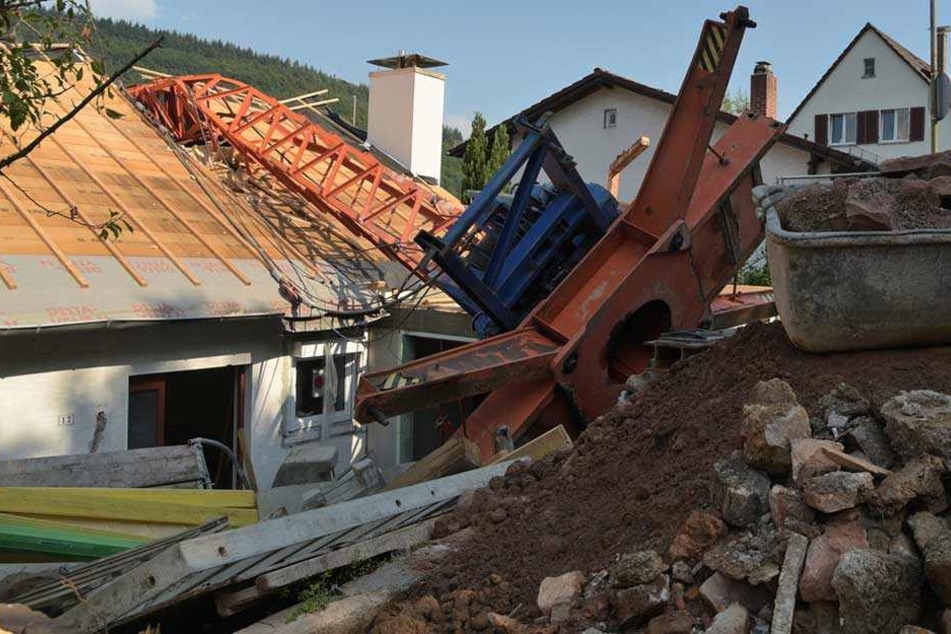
(549, 442)
(216, 498)
(389, 542)
(454, 456)
(54, 502)
(141, 585)
(230, 603)
(153, 467)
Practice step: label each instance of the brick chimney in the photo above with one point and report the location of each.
(763, 90)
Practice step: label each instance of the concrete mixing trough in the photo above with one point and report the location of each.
(861, 290)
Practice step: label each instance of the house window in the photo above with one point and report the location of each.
(869, 67)
(894, 125)
(324, 376)
(610, 118)
(842, 128)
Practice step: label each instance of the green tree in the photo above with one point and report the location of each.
(736, 103)
(500, 149)
(451, 179)
(475, 164)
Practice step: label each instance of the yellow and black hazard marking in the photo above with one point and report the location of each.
(714, 39)
(397, 379)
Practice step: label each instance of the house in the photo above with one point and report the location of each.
(600, 115)
(191, 323)
(873, 101)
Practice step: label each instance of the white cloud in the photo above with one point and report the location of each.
(125, 9)
(462, 122)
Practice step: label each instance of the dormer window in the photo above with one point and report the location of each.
(869, 67)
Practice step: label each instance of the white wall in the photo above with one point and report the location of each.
(580, 128)
(50, 375)
(405, 117)
(895, 85)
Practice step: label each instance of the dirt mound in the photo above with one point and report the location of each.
(637, 472)
(868, 204)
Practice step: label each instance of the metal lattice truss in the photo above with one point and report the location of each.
(375, 202)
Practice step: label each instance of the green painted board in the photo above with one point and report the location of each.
(77, 544)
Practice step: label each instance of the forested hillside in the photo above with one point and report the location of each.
(118, 41)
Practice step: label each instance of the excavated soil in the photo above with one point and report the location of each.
(637, 472)
(870, 204)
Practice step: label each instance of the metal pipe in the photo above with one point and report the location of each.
(934, 76)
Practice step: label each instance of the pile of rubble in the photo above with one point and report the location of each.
(822, 512)
(912, 193)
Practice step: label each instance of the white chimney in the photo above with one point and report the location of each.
(405, 112)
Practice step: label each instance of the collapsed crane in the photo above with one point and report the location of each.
(658, 267)
(565, 287)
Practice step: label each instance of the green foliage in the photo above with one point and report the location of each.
(317, 593)
(33, 36)
(500, 149)
(184, 54)
(475, 166)
(451, 179)
(736, 103)
(755, 275)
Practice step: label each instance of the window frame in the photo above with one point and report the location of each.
(612, 113)
(865, 73)
(330, 422)
(896, 138)
(845, 129)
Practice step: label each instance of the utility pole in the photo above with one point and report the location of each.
(353, 117)
(934, 77)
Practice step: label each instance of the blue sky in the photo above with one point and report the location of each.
(505, 55)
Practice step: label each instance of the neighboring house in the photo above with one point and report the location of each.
(873, 101)
(183, 327)
(600, 115)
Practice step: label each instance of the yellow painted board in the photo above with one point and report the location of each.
(151, 530)
(549, 442)
(34, 522)
(25, 500)
(194, 497)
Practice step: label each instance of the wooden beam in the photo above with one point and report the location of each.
(152, 467)
(127, 210)
(168, 207)
(454, 456)
(622, 160)
(7, 279)
(45, 237)
(109, 244)
(402, 539)
(536, 449)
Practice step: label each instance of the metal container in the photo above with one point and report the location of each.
(861, 290)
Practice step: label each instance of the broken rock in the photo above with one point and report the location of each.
(734, 620)
(634, 606)
(742, 492)
(934, 539)
(752, 557)
(854, 463)
(868, 436)
(678, 622)
(699, 531)
(562, 589)
(809, 460)
(823, 557)
(878, 592)
(919, 478)
(918, 423)
(770, 421)
(633, 569)
(720, 592)
(505, 623)
(837, 491)
(787, 503)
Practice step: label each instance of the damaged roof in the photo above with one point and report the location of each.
(199, 244)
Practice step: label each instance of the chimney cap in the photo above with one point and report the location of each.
(763, 67)
(404, 60)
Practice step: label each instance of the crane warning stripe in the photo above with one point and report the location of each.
(713, 41)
